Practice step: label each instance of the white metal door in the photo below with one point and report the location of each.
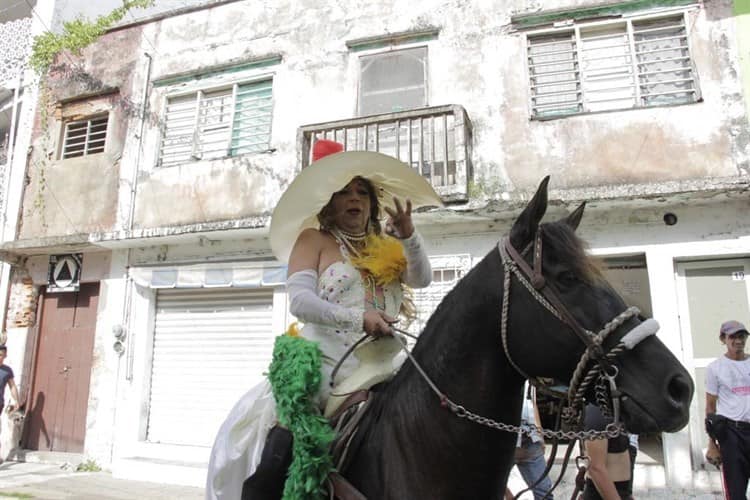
(709, 293)
(210, 347)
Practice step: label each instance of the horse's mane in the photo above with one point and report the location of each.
(572, 250)
(481, 284)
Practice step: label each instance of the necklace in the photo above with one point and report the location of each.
(348, 240)
(353, 236)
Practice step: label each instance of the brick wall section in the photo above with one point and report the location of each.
(22, 300)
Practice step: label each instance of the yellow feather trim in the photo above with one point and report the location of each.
(293, 330)
(383, 257)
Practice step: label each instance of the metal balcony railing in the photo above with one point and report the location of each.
(15, 40)
(435, 141)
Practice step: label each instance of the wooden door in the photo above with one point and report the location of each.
(56, 420)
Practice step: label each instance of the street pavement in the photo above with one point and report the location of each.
(20, 480)
(649, 484)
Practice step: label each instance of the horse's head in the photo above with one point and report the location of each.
(567, 311)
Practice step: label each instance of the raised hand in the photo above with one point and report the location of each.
(399, 223)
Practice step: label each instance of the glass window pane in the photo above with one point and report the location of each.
(393, 81)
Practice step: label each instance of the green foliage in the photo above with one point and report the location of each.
(89, 465)
(295, 379)
(76, 35)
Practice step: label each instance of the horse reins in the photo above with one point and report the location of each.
(546, 295)
(603, 370)
(534, 281)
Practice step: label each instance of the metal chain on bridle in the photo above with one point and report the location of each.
(602, 371)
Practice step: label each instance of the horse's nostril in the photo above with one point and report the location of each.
(679, 390)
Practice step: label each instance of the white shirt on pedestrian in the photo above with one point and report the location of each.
(730, 381)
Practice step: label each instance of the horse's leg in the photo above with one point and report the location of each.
(267, 482)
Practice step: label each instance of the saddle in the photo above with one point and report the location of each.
(348, 403)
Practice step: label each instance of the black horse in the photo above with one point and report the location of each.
(410, 446)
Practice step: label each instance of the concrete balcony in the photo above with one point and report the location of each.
(436, 141)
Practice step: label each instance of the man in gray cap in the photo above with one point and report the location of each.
(728, 410)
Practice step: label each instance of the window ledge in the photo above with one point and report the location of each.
(379, 41)
(590, 113)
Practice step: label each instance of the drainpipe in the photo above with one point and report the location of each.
(134, 180)
(130, 223)
(127, 302)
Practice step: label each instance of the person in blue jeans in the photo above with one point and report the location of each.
(529, 455)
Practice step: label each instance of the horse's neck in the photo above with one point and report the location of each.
(461, 348)
(461, 354)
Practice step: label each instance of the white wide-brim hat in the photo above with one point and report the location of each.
(313, 188)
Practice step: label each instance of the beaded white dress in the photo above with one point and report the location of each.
(239, 442)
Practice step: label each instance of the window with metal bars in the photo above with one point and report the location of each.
(447, 270)
(217, 123)
(84, 137)
(634, 63)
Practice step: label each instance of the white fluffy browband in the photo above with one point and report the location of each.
(640, 332)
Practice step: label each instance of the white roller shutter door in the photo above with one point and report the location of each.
(210, 347)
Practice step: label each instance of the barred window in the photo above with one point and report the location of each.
(84, 137)
(625, 64)
(447, 270)
(217, 123)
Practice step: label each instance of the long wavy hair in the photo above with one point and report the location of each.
(327, 220)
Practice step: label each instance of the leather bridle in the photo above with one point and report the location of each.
(532, 277)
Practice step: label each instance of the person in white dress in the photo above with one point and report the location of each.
(323, 226)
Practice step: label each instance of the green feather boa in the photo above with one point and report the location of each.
(295, 378)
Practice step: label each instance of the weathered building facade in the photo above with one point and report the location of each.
(159, 153)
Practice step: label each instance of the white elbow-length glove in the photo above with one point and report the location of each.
(308, 307)
(418, 272)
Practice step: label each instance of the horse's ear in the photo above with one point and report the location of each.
(574, 218)
(524, 228)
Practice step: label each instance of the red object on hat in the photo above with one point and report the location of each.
(324, 147)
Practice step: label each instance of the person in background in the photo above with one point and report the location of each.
(7, 379)
(529, 454)
(609, 472)
(728, 410)
(633, 449)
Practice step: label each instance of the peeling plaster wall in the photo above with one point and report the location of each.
(477, 61)
(742, 17)
(75, 195)
(635, 146)
(80, 195)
